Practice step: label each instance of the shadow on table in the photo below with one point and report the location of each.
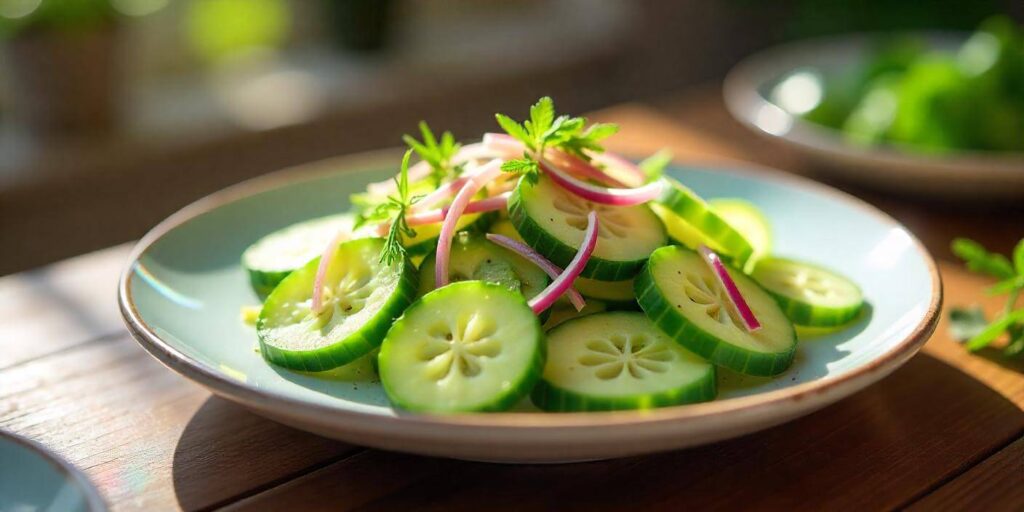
(226, 452)
(996, 356)
(877, 449)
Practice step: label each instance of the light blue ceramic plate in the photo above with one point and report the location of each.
(32, 479)
(183, 289)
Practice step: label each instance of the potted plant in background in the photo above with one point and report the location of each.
(61, 66)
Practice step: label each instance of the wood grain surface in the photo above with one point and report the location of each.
(944, 431)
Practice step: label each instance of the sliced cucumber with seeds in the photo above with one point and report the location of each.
(682, 297)
(469, 346)
(425, 240)
(476, 258)
(504, 227)
(619, 360)
(562, 312)
(362, 297)
(553, 221)
(810, 295)
(680, 208)
(749, 221)
(617, 295)
(273, 257)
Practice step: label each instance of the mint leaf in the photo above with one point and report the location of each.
(966, 323)
(980, 260)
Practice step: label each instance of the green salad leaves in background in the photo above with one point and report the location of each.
(970, 325)
(910, 96)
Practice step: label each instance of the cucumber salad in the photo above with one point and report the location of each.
(533, 263)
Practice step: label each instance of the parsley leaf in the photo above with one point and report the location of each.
(980, 260)
(437, 153)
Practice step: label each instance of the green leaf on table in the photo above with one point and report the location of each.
(1016, 346)
(966, 323)
(1018, 257)
(1006, 286)
(980, 260)
(996, 328)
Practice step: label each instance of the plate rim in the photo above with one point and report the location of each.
(93, 499)
(740, 90)
(262, 398)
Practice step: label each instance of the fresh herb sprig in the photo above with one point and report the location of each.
(545, 130)
(393, 209)
(969, 324)
(437, 152)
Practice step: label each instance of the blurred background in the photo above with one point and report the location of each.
(115, 113)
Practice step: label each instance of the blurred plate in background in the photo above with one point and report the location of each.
(33, 479)
(751, 97)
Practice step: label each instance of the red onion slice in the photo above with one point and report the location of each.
(536, 258)
(498, 202)
(576, 166)
(615, 162)
(439, 194)
(602, 195)
(504, 143)
(321, 270)
(563, 282)
(735, 297)
(451, 218)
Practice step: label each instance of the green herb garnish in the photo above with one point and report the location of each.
(970, 325)
(394, 210)
(544, 130)
(437, 153)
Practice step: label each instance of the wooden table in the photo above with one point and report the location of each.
(945, 431)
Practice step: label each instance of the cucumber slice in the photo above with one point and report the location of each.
(273, 257)
(475, 258)
(810, 295)
(504, 227)
(469, 346)
(619, 360)
(617, 295)
(425, 241)
(749, 221)
(363, 297)
(553, 221)
(562, 312)
(682, 297)
(680, 208)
